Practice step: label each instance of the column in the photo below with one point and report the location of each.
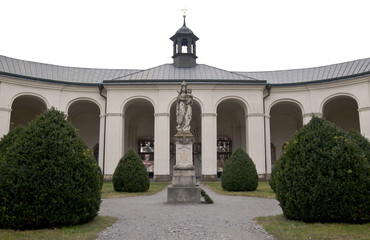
(268, 146)
(209, 146)
(4, 120)
(113, 142)
(364, 116)
(161, 147)
(256, 141)
(101, 142)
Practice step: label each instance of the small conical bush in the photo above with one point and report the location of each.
(130, 174)
(239, 173)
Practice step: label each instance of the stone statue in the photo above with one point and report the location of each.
(183, 109)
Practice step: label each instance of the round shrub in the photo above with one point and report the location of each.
(48, 177)
(130, 174)
(239, 173)
(324, 175)
(7, 140)
(273, 175)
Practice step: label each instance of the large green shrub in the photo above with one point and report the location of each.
(324, 175)
(130, 174)
(48, 177)
(239, 173)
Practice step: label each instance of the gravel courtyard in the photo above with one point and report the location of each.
(230, 217)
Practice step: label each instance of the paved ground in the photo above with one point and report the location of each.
(153, 218)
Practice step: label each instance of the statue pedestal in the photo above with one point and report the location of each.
(184, 189)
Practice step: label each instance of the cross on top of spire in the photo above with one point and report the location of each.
(184, 10)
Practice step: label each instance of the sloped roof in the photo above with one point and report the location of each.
(168, 73)
(316, 74)
(60, 74)
(201, 73)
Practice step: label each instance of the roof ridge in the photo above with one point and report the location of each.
(236, 73)
(139, 71)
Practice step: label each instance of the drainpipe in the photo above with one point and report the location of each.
(101, 88)
(268, 88)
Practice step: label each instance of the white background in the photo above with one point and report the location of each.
(235, 35)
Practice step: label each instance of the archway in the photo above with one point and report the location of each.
(195, 128)
(343, 111)
(139, 131)
(285, 120)
(24, 109)
(231, 130)
(85, 117)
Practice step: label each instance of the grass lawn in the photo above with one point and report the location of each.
(282, 228)
(80, 232)
(108, 190)
(263, 190)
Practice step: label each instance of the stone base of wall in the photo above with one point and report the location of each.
(161, 178)
(108, 177)
(264, 177)
(209, 178)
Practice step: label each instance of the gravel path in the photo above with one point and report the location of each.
(152, 217)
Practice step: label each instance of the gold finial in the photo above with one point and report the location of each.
(184, 10)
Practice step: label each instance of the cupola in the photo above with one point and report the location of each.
(184, 48)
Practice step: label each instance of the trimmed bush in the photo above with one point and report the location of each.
(48, 177)
(7, 140)
(273, 175)
(239, 173)
(130, 174)
(324, 175)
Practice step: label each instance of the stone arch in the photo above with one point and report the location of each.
(86, 99)
(130, 100)
(231, 128)
(84, 113)
(242, 101)
(285, 119)
(342, 109)
(196, 130)
(25, 107)
(138, 129)
(287, 100)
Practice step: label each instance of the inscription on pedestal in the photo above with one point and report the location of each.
(184, 155)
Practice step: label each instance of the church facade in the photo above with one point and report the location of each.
(118, 109)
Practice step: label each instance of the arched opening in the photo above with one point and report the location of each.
(343, 111)
(24, 109)
(195, 129)
(85, 117)
(139, 131)
(285, 120)
(231, 130)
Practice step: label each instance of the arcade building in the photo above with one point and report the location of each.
(118, 109)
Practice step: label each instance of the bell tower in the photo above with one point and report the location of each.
(184, 47)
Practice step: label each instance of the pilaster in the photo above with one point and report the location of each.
(4, 120)
(364, 116)
(162, 146)
(114, 133)
(256, 140)
(209, 146)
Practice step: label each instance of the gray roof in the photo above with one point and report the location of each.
(200, 73)
(316, 74)
(60, 74)
(168, 73)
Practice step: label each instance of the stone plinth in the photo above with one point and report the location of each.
(183, 195)
(184, 189)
